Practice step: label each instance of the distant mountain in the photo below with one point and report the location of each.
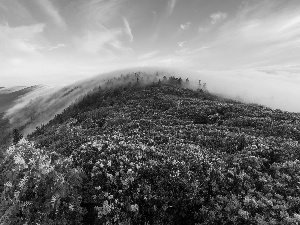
(8, 96)
(153, 149)
(11, 89)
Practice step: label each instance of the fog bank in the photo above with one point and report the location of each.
(274, 90)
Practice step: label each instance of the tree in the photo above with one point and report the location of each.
(16, 136)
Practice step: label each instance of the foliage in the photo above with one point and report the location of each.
(38, 187)
(160, 154)
(16, 136)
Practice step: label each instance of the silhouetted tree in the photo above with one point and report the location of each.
(165, 79)
(16, 136)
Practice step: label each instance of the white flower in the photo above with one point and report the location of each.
(110, 197)
(243, 213)
(134, 208)
(104, 210)
(8, 184)
(19, 160)
(297, 217)
(10, 151)
(71, 207)
(23, 182)
(16, 194)
(54, 199)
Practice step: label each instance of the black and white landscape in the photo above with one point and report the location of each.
(149, 112)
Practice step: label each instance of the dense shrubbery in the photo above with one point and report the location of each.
(39, 187)
(156, 155)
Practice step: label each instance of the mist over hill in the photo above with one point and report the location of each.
(40, 105)
(28, 107)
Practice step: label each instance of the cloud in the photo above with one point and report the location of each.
(104, 30)
(105, 42)
(128, 29)
(95, 41)
(218, 17)
(19, 40)
(203, 29)
(3, 6)
(258, 36)
(171, 7)
(185, 26)
(190, 51)
(181, 43)
(100, 11)
(56, 47)
(49, 9)
(148, 55)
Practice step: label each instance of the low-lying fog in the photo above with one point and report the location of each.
(263, 87)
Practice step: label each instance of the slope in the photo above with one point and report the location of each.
(159, 154)
(7, 100)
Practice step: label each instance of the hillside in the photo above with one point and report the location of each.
(155, 153)
(8, 98)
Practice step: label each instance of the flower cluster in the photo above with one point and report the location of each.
(38, 186)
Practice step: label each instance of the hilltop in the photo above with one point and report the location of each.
(155, 152)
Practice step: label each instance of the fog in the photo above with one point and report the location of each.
(41, 105)
(269, 89)
(277, 91)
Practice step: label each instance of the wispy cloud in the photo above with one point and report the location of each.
(3, 6)
(95, 41)
(53, 13)
(100, 11)
(18, 40)
(171, 7)
(105, 42)
(56, 47)
(190, 51)
(105, 31)
(267, 39)
(128, 29)
(148, 55)
(258, 36)
(185, 26)
(181, 44)
(217, 17)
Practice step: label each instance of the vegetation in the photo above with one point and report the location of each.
(155, 154)
(7, 100)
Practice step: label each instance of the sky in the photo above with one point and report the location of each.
(54, 42)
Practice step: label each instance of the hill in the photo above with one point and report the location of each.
(155, 153)
(8, 98)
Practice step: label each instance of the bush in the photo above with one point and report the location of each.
(39, 187)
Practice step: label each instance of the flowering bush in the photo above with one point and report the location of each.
(38, 187)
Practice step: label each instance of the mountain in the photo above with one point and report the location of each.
(153, 150)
